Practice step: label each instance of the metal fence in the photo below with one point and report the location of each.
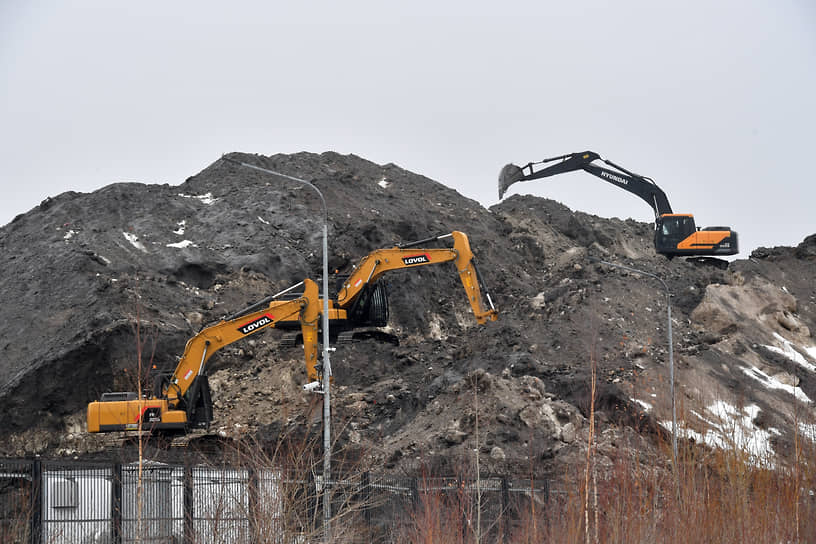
(80, 502)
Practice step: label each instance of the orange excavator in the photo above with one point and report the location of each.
(363, 301)
(181, 401)
(675, 233)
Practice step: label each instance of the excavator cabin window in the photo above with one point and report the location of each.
(676, 226)
(671, 230)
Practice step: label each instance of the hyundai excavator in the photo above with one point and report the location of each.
(675, 233)
(363, 301)
(181, 401)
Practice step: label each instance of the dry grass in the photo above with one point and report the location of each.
(718, 498)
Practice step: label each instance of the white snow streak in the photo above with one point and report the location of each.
(69, 234)
(808, 430)
(790, 352)
(383, 183)
(181, 226)
(772, 383)
(732, 429)
(205, 199)
(182, 244)
(134, 240)
(262, 220)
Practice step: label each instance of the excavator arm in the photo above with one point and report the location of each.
(675, 234)
(182, 399)
(641, 186)
(375, 264)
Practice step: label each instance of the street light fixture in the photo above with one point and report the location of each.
(671, 349)
(327, 372)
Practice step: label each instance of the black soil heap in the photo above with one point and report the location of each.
(83, 274)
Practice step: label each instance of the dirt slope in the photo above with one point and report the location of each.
(81, 270)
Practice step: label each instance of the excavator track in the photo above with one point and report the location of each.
(722, 264)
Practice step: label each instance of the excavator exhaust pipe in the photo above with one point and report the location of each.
(508, 176)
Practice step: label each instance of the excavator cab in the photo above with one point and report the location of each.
(370, 308)
(671, 230)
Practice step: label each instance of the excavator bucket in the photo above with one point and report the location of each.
(508, 176)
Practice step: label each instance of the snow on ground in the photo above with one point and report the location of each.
(808, 430)
(772, 383)
(732, 429)
(182, 244)
(791, 353)
(69, 234)
(643, 404)
(181, 226)
(262, 220)
(134, 240)
(383, 183)
(205, 199)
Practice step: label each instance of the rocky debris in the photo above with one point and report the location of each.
(166, 260)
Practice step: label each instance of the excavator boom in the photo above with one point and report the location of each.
(641, 186)
(375, 264)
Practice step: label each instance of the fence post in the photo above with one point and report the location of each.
(188, 504)
(116, 503)
(505, 505)
(365, 494)
(312, 504)
(36, 502)
(464, 504)
(254, 502)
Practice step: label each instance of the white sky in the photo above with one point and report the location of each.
(714, 100)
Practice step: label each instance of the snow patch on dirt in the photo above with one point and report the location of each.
(134, 241)
(183, 244)
(808, 430)
(772, 383)
(206, 198)
(732, 429)
(181, 226)
(789, 351)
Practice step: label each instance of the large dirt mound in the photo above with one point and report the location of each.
(81, 271)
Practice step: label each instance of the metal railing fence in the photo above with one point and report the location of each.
(45, 502)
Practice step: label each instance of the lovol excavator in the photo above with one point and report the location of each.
(675, 234)
(363, 301)
(181, 401)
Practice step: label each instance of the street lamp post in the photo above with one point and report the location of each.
(327, 372)
(671, 349)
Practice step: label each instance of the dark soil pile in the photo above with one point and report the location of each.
(83, 273)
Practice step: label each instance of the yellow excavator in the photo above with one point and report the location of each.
(363, 301)
(181, 401)
(675, 233)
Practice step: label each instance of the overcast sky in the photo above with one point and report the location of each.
(714, 100)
